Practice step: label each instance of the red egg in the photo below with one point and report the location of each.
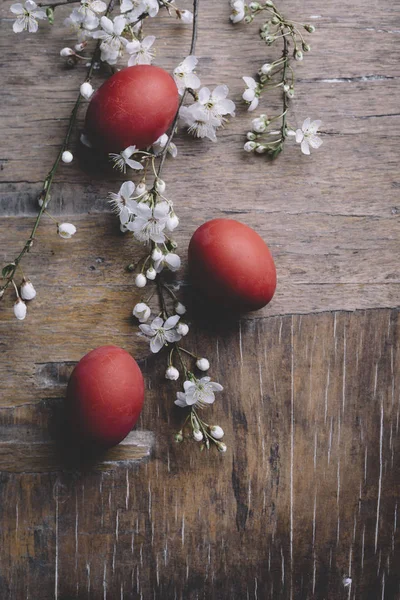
(134, 107)
(105, 396)
(232, 265)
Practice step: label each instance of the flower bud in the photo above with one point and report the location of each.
(66, 52)
(182, 329)
(171, 373)
(172, 222)
(259, 125)
(28, 292)
(140, 189)
(80, 47)
(156, 254)
(266, 68)
(178, 437)
(275, 20)
(86, 90)
(261, 149)
(286, 87)
(185, 16)
(251, 136)
(217, 432)
(140, 280)
(40, 200)
(197, 434)
(250, 146)
(123, 227)
(269, 3)
(222, 447)
(151, 273)
(248, 19)
(160, 186)
(180, 308)
(254, 6)
(142, 312)
(306, 47)
(309, 28)
(20, 309)
(67, 156)
(298, 55)
(66, 230)
(203, 364)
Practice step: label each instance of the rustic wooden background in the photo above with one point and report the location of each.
(307, 494)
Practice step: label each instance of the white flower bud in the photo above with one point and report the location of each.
(250, 146)
(254, 6)
(182, 329)
(185, 16)
(123, 228)
(80, 47)
(217, 432)
(86, 90)
(28, 292)
(259, 125)
(266, 68)
(140, 189)
(142, 312)
(203, 364)
(309, 28)
(251, 136)
(298, 55)
(172, 222)
(66, 230)
(172, 373)
(140, 280)
(261, 149)
(67, 156)
(222, 447)
(180, 308)
(151, 273)
(66, 52)
(156, 254)
(40, 201)
(197, 434)
(160, 186)
(286, 87)
(20, 309)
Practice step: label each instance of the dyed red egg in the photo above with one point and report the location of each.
(105, 396)
(134, 107)
(232, 265)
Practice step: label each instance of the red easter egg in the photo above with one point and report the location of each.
(134, 107)
(232, 265)
(105, 396)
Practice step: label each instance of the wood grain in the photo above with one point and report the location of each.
(305, 503)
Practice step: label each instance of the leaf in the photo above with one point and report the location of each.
(50, 15)
(8, 269)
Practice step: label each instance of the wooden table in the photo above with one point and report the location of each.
(307, 494)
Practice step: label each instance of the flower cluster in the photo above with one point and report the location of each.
(269, 133)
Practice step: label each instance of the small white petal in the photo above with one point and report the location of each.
(67, 157)
(66, 230)
(180, 308)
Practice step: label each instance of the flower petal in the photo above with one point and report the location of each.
(253, 105)
(133, 164)
(249, 95)
(305, 148)
(147, 330)
(315, 125)
(107, 25)
(173, 261)
(156, 343)
(19, 25)
(119, 25)
(188, 385)
(17, 9)
(157, 323)
(148, 41)
(172, 335)
(299, 136)
(215, 387)
(220, 92)
(171, 322)
(127, 189)
(133, 47)
(204, 95)
(306, 124)
(250, 82)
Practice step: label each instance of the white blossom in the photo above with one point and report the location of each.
(91, 8)
(217, 432)
(197, 435)
(159, 145)
(185, 77)
(200, 122)
(133, 9)
(67, 157)
(140, 280)
(27, 16)
(112, 40)
(123, 203)
(66, 230)
(307, 135)
(28, 292)
(198, 393)
(170, 260)
(180, 308)
(20, 309)
(183, 329)
(216, 102)
(250, 95)
(86, 90)
(142, 312)
(66, 52)
(82, 24)
(149, 223)
(172, 373)
(238, 12)
(160, 332)
(123, 159)
(151, 273)
(203, 364)
(140, 53)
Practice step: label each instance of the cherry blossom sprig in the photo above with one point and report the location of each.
(269, 133)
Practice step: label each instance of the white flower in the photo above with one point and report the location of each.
(198, 393)
(160, 144)
(160, 332)
(197, 435)
(172, 221)
(200, 122)
(237, 11)
(123, 159)
(66, 52)
(203, 364)
(86, 90)
(180, 308)
(92, 8)
(66, 230)
(111, 36)
(184, 75)
(142, 312)
(306, 136)
(216, 102)
(149, 223)
(81, 23)
(134, 9)
(28, 292)
(250, 95)
(151, 273)
(182, 329)
(123, 203)
(140, 53)
(347, 581)
(67, 156)
(140, 280)
(156, 254)
(172, 373)
(170, 260)
(27, 16)
(217, 432)
(185, 16)
(20, 309)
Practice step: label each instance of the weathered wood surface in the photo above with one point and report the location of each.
(308, 492)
